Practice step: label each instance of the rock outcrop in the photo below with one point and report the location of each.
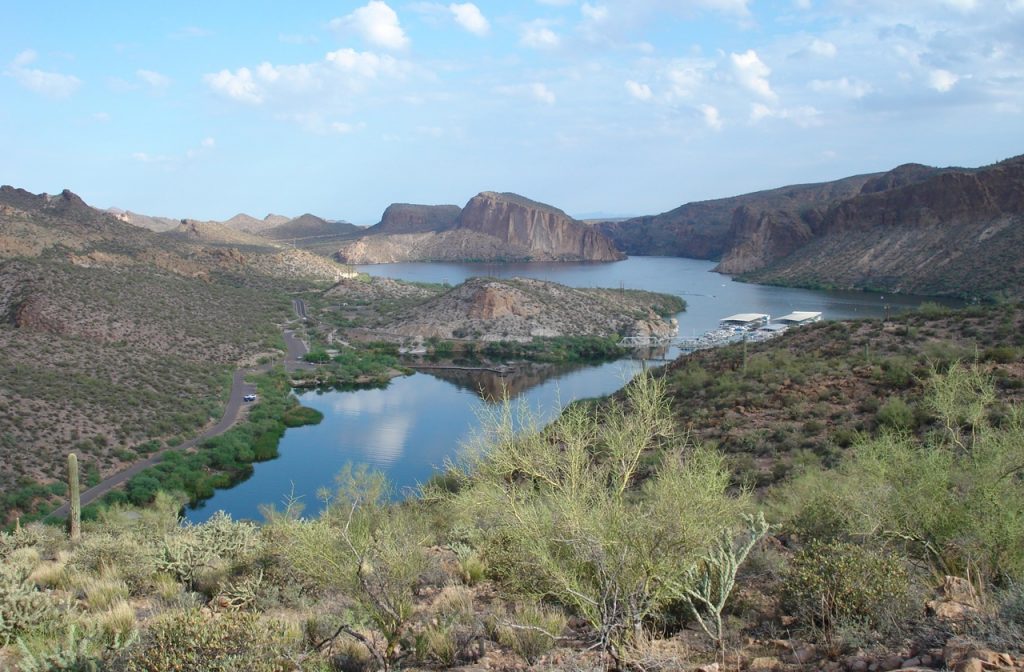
(520, 309)
(412, 218)
(547, 233)
(492, 227)
(706, 229)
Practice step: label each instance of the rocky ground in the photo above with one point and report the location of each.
(487, 309)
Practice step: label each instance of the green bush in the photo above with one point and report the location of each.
(189, 640)
(834, 583)
(896, 414)
(560, 513)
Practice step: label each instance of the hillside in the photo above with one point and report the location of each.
(486, 309)
(306, 228)
(212, 233)
(116, 339)
(955, 232)
(617, 511)
(704, 229)
(491, 227)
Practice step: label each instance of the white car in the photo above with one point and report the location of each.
(249, 397)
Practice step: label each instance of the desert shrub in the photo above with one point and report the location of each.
(187, 551)
(24, 610)
(531, 631)
(896, 414)
(187, 640)
(954, 499)
(370, 550)
(121, 554)
(838, 582)
(75, 652)
(560, 513)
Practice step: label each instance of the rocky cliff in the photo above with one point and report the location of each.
(953, 231)
(706, 229)
(411, 218)
(492, 227)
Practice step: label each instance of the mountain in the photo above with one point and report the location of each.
(213, 233)
(308, 227)
(704, 229)
(411, 218)
(492, 227)
(928, 231)
(249, 224)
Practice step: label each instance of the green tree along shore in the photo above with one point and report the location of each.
(626, 534)
(223, 460)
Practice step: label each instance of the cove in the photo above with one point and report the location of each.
(416, 423)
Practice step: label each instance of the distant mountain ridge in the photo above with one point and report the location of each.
(915, 228)
(947, 231)
(491, 227)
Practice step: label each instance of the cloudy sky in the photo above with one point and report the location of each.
(605, 107)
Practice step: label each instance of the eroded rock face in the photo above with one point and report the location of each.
(762, 237)
(546, 232)
(411, 218)
(492, 227)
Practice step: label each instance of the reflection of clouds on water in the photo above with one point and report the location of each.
(384, 444)
(376, 425)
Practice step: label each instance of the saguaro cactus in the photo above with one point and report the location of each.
(74, 499)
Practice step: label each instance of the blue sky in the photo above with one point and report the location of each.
(610, 107)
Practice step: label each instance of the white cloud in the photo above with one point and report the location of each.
(751, 72)
(341, 71)
(238, 85)
(712, 117)
(802, 4)
(43, 82)
(942, 80)
(469, 17)
(154, 79)
(102, 117)
(542, 93)
(638, 90)
(24, 58)
(803, 115)
(684, 78)
(208, 142)
(822, 48)
(594, 13)
(192, 31)
(376, 23)
(537, 35)
(844, 87)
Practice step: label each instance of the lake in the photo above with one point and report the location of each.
(418, 422)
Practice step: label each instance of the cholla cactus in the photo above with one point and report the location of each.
(22, 607)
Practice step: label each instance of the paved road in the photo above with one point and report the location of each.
(239, 388)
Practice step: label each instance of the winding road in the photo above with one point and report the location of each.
(239, 388)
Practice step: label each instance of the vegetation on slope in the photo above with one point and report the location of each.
(588, 544)
(113, 365)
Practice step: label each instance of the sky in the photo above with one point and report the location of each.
(601, 108)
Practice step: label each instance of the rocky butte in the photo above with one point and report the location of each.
(491, 227)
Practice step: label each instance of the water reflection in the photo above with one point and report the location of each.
(495, 387)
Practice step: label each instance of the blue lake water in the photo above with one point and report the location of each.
(418, 422)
